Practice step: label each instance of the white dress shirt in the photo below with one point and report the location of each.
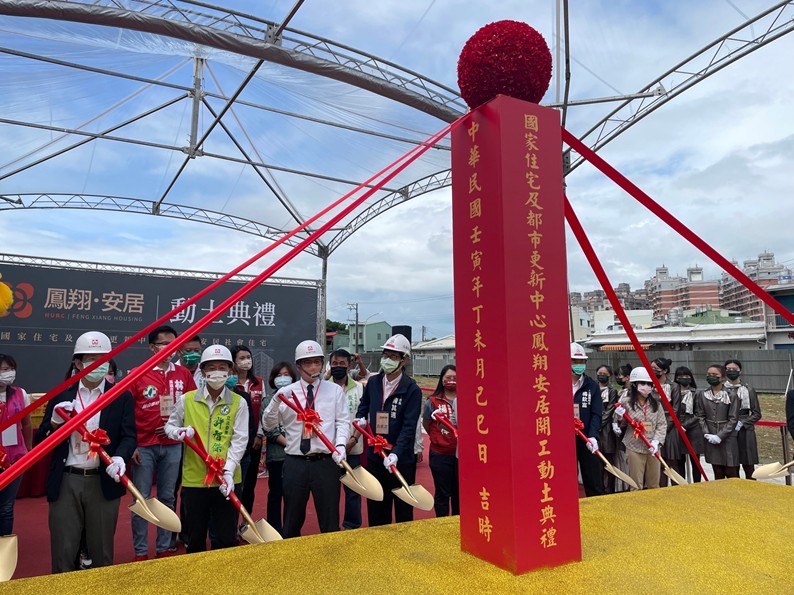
(239, 428)
(78, 450)
(329, 402)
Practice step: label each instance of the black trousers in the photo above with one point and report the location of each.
(207, 508)
(275, 495)
(318, 477)
(591, 468)
(380, 513)
(249, 480)
(445, 478)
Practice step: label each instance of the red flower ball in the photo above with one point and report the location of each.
(505, 57)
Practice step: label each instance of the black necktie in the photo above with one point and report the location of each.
(306, 443)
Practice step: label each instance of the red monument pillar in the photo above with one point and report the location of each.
(519, 493)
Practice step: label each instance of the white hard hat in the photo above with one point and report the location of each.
(639, 374)
(577, 351)
(216, 353)
(398, 343)
(308, 349)
(92, 342)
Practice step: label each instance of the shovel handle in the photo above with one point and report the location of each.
(596, 452)
(444, 421)
(366, 433)
(298, 409)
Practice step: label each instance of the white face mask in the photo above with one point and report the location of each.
(98, 373)
(8, 377)
(216, 379)
(245, 364)
(644, 389)
(282, 381)
(389, 365)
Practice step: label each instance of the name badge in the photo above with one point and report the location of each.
(78, 446)
(10, 436)
(648, 427)
(576, 411)
(382, 422)
(166, 405)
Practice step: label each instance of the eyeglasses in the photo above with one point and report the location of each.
(393, 355)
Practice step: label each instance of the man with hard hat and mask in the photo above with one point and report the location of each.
(309, 467)
(390, 406)
(221, 417)
(83, 493)
(587, 407)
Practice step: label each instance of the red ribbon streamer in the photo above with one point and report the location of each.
(309, 417)
(214, 469)
(61, 433)
(578, 424)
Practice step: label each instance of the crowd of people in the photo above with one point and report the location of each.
(212, 395)
(718, 421)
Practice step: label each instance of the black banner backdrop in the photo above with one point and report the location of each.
(53, 306)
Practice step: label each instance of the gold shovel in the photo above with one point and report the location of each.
(772, 470)
(609, 466)
(149, 509)
(8, 557)
(416, 495)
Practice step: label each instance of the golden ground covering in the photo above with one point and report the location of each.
(732, 536)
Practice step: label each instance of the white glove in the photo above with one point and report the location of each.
(713, 438)
(592, 444)
(620, 411)
(616, 429)
(654, 447)
(738, 426)
(227, 487)
(187, 432)
(390, 461)
(67, 405)
(340, 455)
(116, 469)
(362, 422)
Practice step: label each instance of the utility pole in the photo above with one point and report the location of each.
(354, 307)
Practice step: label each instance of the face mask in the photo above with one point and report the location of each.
(245, 364)
(98, 373)
(657, 374)
(450, 385)
(733, 374)
(644, 389)
(338, 372)
(684, 381)
(713, 380)
(620, 382)
(602, 378)
(191, 358)
(231, 381)
(8, 377)
(389, 365)
(282, 381)
(578, 369)
(216, 379)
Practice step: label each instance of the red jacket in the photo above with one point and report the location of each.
(442, 440)
(175, 381)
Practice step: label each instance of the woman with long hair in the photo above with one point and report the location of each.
(685, 386)
(443, 443)
(607, 441)
(643, 407)
(718, 415)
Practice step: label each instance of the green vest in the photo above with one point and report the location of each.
(216, 433)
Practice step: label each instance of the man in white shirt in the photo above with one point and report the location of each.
(309, 467)
(221, 416)
(83, 493)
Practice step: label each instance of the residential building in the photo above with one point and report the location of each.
(765, 272)
(428, 357)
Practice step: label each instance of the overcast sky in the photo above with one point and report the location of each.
(718, 156)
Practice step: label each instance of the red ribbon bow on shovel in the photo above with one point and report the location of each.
(309, 417)
(578, 424)
(639, 428)
(96, 440)
(214, 468)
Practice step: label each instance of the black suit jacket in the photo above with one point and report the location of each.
(117, 419)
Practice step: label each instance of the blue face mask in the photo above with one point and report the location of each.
(231, 381)
(578, 369)
(282, 381)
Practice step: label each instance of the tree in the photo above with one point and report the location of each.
(334, 326)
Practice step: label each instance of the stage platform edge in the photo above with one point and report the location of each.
(724, 536)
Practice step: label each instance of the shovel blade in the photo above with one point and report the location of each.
(8, 557)
(625, 478)
(417, 496)
(675, 476)
(262, 532)
(163, 516)
(363, 482)
(766, 471)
